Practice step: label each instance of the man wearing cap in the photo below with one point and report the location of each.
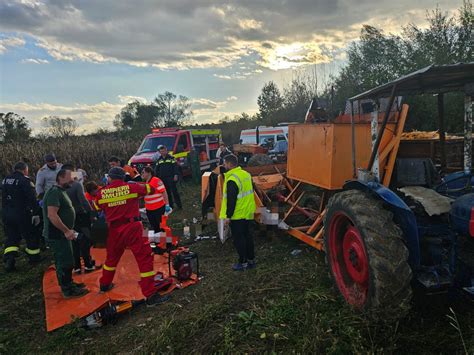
(167, 170)
(46, 176)
(120, 201)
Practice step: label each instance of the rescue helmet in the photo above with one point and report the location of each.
(117, 173)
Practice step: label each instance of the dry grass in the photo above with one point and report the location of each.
(287, 305)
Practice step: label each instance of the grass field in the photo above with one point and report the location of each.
(286, 305)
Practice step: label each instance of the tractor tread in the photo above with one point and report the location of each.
(390, 291)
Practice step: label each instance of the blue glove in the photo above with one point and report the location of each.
(167, 209)
(41, 203)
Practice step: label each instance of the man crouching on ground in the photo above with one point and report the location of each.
(238, 207)
(120, 200)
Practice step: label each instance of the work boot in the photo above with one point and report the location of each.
(74, 292)
(91, 267)
(35, 259)
(157, 299)
(79, 284)
(9, 264)
(105, 288)
(239, 266)
(251, 264)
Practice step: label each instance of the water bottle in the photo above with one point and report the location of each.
(186, 229)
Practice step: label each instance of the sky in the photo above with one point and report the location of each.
(88, 59)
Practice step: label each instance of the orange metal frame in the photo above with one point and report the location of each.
(313, 234)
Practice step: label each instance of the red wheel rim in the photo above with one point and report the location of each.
(348, 258)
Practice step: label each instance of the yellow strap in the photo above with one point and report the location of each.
(119, 198)
(108, 268)
(11, 250)
(148, 189)
(32, 251)
(147, 274)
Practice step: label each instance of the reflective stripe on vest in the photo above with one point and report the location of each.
(155, 201)
(245, 206)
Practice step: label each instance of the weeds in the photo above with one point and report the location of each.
(453, 321)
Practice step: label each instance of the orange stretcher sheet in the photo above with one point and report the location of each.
(60, 311)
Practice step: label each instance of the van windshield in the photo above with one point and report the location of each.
(151, 144)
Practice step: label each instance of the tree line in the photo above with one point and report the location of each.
(376, 58)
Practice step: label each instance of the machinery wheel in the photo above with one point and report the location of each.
(367, 255)
(259, 160)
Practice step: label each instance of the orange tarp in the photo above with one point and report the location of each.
(60, 311)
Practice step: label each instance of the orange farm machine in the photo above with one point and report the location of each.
(386, 223)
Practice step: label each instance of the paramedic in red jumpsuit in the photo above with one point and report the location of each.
(119, 200)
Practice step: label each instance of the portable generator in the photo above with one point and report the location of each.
(184, 262)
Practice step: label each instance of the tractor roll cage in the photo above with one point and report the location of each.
(435, 80)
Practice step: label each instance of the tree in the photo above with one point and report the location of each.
(137, 117)
(60, 127)
(379, 58)
(13, 127)
(270, 103)
(173, 110)
(298, 96)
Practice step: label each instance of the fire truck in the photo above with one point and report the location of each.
(180, 143)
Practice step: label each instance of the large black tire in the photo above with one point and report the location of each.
(356, 227)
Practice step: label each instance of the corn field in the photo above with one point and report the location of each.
(91, 153)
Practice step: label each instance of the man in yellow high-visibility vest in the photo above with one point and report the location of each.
(237, 209)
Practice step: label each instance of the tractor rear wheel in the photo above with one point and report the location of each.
(367, 255)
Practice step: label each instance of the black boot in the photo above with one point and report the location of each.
(34, 259)
(9, 264)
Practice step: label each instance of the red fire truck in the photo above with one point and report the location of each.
(180, 142)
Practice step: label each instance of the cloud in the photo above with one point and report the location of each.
(8, 42)
(91, 117)
(188, 34)
(35, 61)
(126, 99)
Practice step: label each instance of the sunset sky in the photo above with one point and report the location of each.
(87, 59)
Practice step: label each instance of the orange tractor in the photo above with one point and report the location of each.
(385, 223)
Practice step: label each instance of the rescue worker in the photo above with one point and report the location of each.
(167, 170)
(156, 205)
(222, 152)
(131, 174)
(92, 190)
(59, 215)
(82, 224)
(120, 201)
(19, 215)
(46, 176)
(237, 209)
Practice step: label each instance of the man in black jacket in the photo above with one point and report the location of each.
(167, 170)
(19, 215)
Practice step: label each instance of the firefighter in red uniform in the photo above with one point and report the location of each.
(119, 200)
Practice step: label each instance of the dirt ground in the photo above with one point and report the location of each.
(286, 305)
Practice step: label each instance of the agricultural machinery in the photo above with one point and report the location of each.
(386, 222)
